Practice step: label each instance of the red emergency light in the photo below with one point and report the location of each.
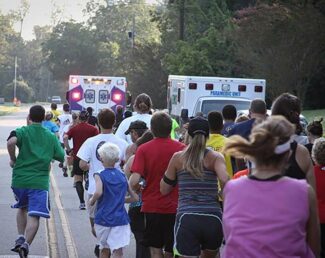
(192, 86)
(76, 95)
(258, 88)
(117, 97)
(241, 87)
(209, 86)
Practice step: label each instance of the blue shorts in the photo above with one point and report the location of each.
(36, 201)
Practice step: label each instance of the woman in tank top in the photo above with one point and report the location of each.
(198, 227)
(300, 165)
(267, 214)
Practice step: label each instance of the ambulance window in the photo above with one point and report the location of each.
(103, 96)
(89, 96)
(192, 86)
(178, 95)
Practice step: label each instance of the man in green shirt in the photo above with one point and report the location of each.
(30, 178)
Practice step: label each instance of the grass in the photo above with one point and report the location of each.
(6, 109)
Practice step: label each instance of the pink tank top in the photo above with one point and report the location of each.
(266, 218)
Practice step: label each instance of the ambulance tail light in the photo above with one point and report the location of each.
(76, 96)
(241, 87)
(74, 80)
(117, 97)
(258, 88)
(192, 86)
(209, 86)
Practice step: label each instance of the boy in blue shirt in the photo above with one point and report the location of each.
(111, 218)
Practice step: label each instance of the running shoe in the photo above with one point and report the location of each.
(65, 173)
(23, 250)
(96, 250)
(19, 241)
(82, 206)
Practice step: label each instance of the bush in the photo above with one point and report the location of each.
(23, 92)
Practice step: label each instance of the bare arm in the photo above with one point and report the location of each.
(84, 166)
(127, 166)
(133, 196)
(66, 142)
(171, 174)
(220, 168)
(134, 182)
(11, 147)
(99, 190)
(305, 163)
(313, 234)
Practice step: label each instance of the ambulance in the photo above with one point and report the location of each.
(189, 95)
(97, 92)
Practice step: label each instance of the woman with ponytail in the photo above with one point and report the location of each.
(268, 214)
(196, 170)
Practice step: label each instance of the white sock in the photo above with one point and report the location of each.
(21, 236)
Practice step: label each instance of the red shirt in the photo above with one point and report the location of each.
(80, 133)
(320, 191)
(151, 161)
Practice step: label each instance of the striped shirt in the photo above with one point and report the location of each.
(198, 195)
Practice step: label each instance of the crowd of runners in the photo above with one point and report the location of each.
(215, 186)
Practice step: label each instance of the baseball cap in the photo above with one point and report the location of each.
(198, 125)
(138, 124)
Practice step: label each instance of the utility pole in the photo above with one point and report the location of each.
(181, 19)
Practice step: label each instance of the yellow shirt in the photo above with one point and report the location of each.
(55, 113)
(216, 142)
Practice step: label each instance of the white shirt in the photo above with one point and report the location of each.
(89, 152)
(65, 121)
(124, 125)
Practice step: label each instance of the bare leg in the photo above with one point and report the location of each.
(156, 252)
(92, 224)
(104, 253)
(21, 219)
(31, 228)
(118, 253)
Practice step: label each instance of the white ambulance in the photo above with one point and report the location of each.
(189, 95)
(97, 92)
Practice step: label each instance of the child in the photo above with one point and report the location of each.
(111, 219)
(318, 155)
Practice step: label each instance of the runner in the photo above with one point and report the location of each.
(198, 228)
(318, 154)
(142, 106)
(111, 219)
(314, 131)
(30, 175)
(79, 134)
(64, 122)
(55, 113)
(137, 220)
(300, 164)
(92, 119)
(150, 162)
(89, 159)
(267, 214)
(47, 123)
(229, 114)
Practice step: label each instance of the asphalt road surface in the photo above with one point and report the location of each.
(67, 233)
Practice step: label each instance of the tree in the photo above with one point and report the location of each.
(24, 92)
(282, 43)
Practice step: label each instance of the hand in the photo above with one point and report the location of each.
(90, 202)
(12, 163)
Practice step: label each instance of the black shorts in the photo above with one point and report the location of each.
(76, 170)
(159, 231)
(196, 232)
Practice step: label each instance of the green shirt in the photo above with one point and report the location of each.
(37, 147)
(175, 125)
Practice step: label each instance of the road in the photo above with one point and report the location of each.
(67, 233)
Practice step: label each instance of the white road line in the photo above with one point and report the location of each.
(29, 256)
(69, 242)
(51, 236)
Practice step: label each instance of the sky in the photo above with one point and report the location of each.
(40, 12)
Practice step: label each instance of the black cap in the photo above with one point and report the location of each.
(198, 125)
(137, 124)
